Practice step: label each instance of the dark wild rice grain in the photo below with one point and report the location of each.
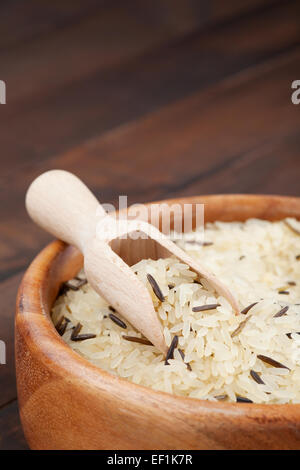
(221, 397)
(62, 290)
(240, 399)
(246, 309)
(81, 282)
(203, 308)
(62, 325)
(272, 362)
(255, 376)
(84, 337)
(59, 323)
(71, 286)
(289, 335)
(284, 292)
(117, 320)
(155, 288)
(182, 357)
(135, 339)
(63, 328)
(76, 331)
(240, 327)
(281, 312)
(173, 346)
(181, 354)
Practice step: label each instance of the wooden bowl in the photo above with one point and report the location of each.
(67, 403)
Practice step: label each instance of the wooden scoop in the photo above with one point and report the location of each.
(62, 205)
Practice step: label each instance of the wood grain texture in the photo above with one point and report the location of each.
(98, 410)
(66, 44)
(173, 99)
(11, 436)
(8, 291)
(113, 95)
(187, 143)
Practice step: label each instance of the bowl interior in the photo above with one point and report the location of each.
(185, 214)
(59, 262)
(68, 261)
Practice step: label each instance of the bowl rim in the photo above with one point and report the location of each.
(39, 333)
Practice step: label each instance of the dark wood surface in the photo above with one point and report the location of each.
(152, 99)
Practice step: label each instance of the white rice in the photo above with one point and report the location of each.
(257, 260)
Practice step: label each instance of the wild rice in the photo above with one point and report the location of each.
(240, 327)
(272, 362)
(255, 376)
(117, 321)
(135, 339)
(183, 357)
(240, 399)
(84, 337)
(170, 353)
(203, 308)
(281, 312)
(155, 288)
(61, 326)
(59, 323)
(246, 309)
(76, 331)
(222, 365)
(221, 397)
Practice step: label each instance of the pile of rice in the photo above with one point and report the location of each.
(217, 357)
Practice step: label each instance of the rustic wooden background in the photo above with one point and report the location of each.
(152, 99)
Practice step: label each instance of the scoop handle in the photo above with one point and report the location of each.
(61, 204)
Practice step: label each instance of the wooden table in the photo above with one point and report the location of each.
(151, 99)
